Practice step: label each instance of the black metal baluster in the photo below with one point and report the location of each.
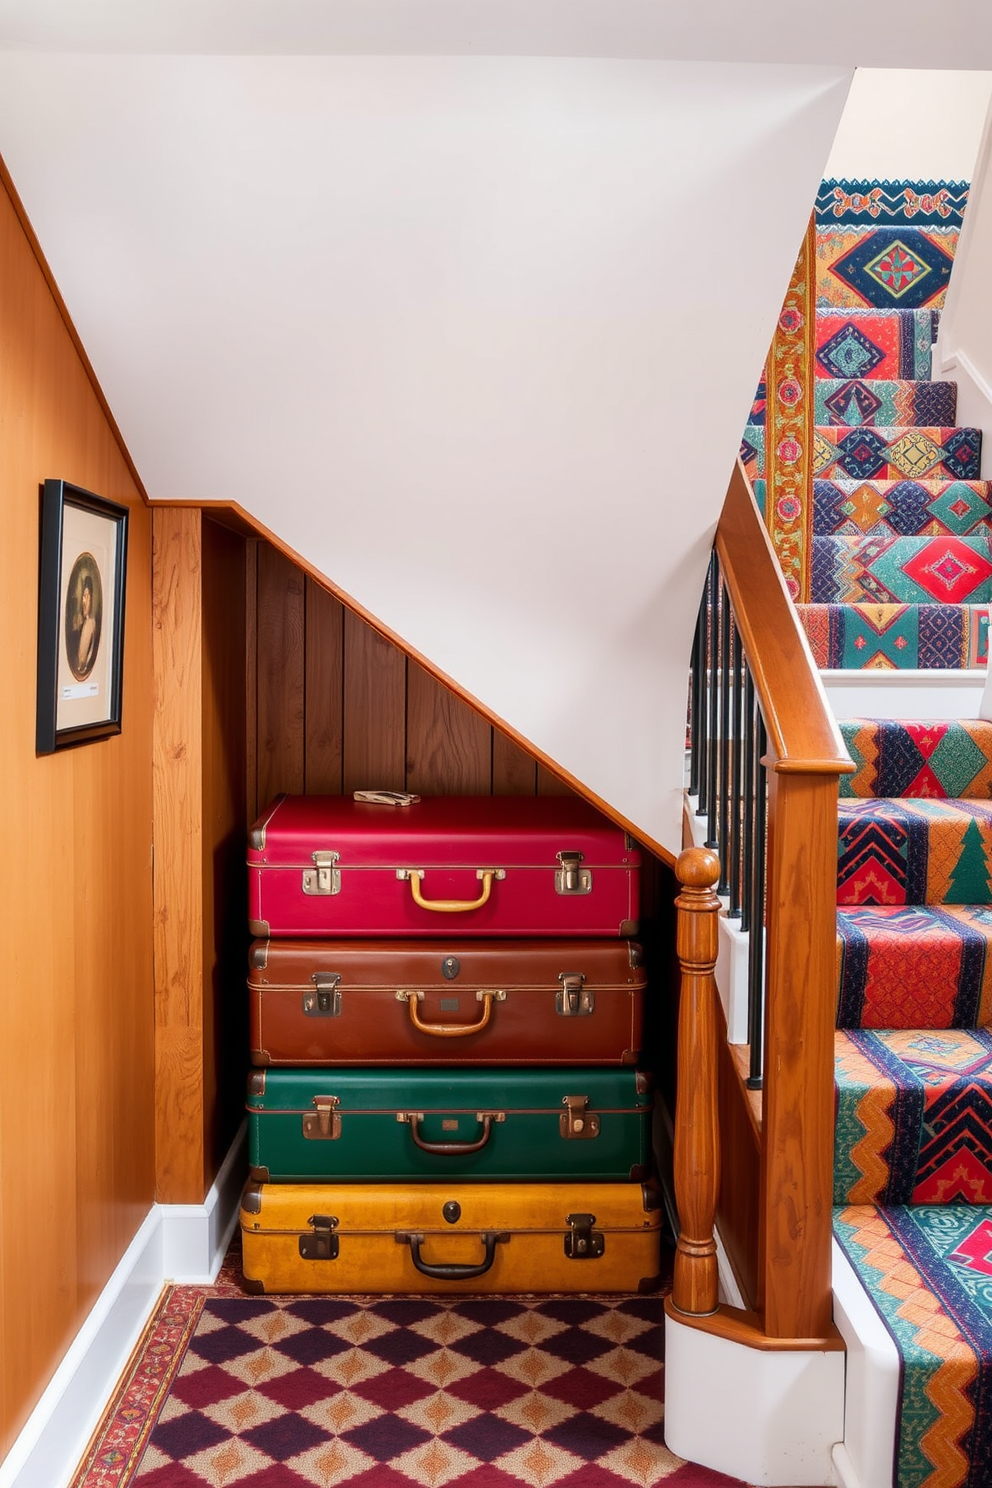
(756, 942)
(747, 888)
(737, 659)
(696, 695)
(706, 614)
(712, 801)
(725, 683)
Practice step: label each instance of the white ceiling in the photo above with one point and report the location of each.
(475, 335)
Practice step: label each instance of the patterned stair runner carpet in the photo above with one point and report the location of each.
(226, 1390)
(928, 1269)
(906, 508)
(865, 344)
(853, 401)
(909, 851)
(882, 569)
(919, 757)
(867, 452)
(928, 637)
(901, 266)
(914, 1117)
(914, 966)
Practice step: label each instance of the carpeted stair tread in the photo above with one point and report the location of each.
(883, 266)
(906, 508)
(867, 344)
(914, 852)
(926, 1268)
(896, 452)
(883, 401)
(914, 1116)
(935, 757)
(914, 966)
(896, 637)
(842, 201)
(884, 569)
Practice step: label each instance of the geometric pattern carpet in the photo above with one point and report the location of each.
(918, 757)
(896, 636)
(914, 966)
(928, 1270)
(227, 1390)
(914, 1117)
(882, 569)
(905, 508)
(914, 850)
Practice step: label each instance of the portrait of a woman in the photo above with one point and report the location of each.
(83, 616)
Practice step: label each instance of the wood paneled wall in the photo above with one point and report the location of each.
(199, 753)
(338, 708)
(76, 1018)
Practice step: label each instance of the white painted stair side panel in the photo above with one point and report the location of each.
(779, 1416)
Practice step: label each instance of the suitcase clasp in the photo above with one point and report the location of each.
(322, 1243)
(324, 878)
(324, 1124)
(582, 1242)
(326, 1001)
(575, 1123)
(570, 878)
(574, 1000)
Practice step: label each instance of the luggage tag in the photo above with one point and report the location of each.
(386, 798)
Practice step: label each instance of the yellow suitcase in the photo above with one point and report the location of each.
(501, 1238)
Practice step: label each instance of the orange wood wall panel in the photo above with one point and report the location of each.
(179, 844)
(76, 1021)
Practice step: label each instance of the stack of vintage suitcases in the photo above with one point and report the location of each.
(446, 1014)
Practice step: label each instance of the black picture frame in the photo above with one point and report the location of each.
(81, 582)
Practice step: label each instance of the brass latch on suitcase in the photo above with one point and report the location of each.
(582, 1242)
(322, 1243)
(570, 878)
(574, 1123)
(326, 1001)
(324, 878)
(574, 1000)
(324, 1124)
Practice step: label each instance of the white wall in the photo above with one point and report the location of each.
(910, 125)
(476, 336)
(964, 346)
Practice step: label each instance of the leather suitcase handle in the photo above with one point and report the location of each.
(450, 1149)
(450, 1030)
(453, 1271)
(450, 906)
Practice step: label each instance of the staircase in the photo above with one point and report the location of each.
(900, 578)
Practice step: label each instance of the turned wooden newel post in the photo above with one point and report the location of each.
(697, 1153)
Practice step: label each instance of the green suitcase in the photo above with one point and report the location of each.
(366, 1125)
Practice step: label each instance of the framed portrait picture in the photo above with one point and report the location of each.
(80, 617)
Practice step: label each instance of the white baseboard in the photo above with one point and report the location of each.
(175, 1242)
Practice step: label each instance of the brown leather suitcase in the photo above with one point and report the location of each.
(397, 1002)
(500, 1238)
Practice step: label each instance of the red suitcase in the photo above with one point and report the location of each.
(483, 865)
(397, 1002)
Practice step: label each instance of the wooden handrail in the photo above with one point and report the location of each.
(802, 733)
(803, 759)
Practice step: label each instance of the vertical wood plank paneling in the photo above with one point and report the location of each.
(449, 745)
(76, 1023)
(374, 710)
(224, 873)
(324, 700)
(252, 805)
(280, 626)
(178, 777)
(514, 770)
(548, 784)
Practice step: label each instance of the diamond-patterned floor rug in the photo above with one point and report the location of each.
(226, 1390)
